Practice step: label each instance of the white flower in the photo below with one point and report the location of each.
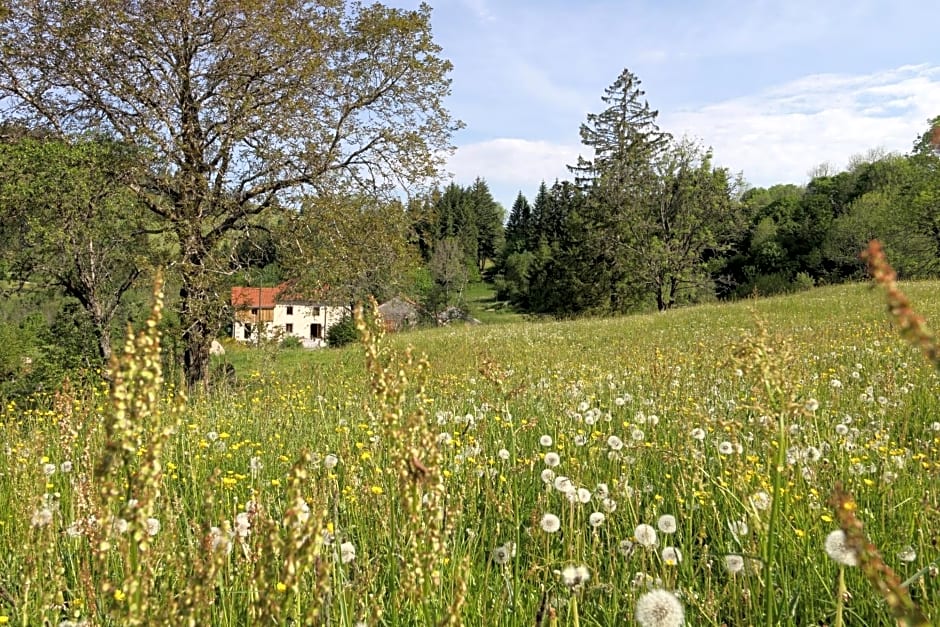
(738, 528)
(545, 440)
(659, 608)
(812, 405)
(836, 384)
(48, 469)
(637, 435)
(212, 436)
(761, 500)
(645, 535)
(120, 526)
(41, 517)
(596, 519)
(574, 576)
(734, 563)
(609, 504)
(725, 448)
(614, 443)
(838, 550)
(242, 525)
(667, 523)
(584, 495)
(563, 484)
(347, 552)
(255, 466)
(907, 554)
(625, 547)
(219, 541)
(580, 440)
(698, 434)
(550, 523)
(842, 429)
(502, 554)
(502, 454)
(66, 466)
(330, 461)
(153, 527)
(671, 556)
(552, 459)
(548, 476)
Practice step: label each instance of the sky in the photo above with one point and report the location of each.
(774, 88)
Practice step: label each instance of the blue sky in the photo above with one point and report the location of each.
(775, 88)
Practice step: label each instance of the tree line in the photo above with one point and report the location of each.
(650, 222)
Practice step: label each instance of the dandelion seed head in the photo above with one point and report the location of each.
(596, 519)
(645, 535)
(659, 608)
(838, 550)
(552, 459)
(734, 564)
(671, 556)
(550, 523)
(347, 552)
(546, 440)
(667, 523)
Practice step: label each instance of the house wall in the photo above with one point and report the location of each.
(300, 321)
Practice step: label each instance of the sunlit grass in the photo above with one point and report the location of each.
(676, 421)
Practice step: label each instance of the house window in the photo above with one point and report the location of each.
(290, 311)
(289, 327)
(247, 331)
(316, 331)
(254, 311)
(316, 311)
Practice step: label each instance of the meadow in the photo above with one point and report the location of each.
(525, 473)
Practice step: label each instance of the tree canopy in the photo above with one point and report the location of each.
(239, 104)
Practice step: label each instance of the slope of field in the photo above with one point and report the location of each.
(516, 474)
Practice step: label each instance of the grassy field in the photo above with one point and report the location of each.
(595, 472)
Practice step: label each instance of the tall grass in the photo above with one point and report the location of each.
(507, 475)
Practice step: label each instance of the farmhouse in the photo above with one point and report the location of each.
(273, 313)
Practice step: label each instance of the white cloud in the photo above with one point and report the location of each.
(778, 135)
(510, 164)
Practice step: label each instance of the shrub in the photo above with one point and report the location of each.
(291, 342)
(342, 333)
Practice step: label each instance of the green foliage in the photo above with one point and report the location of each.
(230, 134)
(291, 342)
(342, 333)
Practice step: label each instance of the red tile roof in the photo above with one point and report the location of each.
(249, 297)
(252, 297)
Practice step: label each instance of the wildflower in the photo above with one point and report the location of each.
(255, 466)
(502, 554)
(838, 550)
(584, 495)
(614, 443)
(563, 484)
(242, 525)
(907, 554)
(760, 500)
(503, 454)
(219, 541)
(574, 576)
(550, 523)
(596, 519)
(645, 535)
(667, 523)
(580, 440)
(637, 435)
(545, 440)
(330, 461)
(66, 466)
(734, 563)
(625, 547)
(347, 552)
(552, 459)
(41, 517)
(212, 436)
(48, 469)
(659, 608)
(811, 405)
(671, 556)
(738, 528)
(836, 384)
(725, 448)
(548, 476)
(609, 504)
(698, 434)
(153, 527)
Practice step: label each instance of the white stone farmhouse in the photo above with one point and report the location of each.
(276, 313)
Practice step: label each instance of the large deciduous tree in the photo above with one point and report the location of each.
(69, 222)
(241, 104)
